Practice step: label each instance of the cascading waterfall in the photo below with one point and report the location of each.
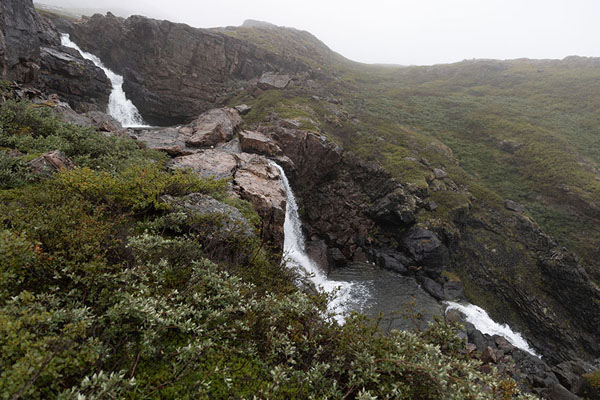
(482, 322)
(119, 106)
(350, 295)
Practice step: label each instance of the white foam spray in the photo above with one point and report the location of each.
(482, 322)
(119, 106)
(350, 295)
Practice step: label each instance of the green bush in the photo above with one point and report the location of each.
(106, 292)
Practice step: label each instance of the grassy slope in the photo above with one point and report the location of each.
(107, 292)
(463, 117)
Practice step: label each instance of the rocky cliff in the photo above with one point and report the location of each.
(174, 72)
(31, 53)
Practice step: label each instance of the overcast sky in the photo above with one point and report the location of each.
(405, 32)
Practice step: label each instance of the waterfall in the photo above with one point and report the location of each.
(350, 295)
(119, 106)
(482, 322)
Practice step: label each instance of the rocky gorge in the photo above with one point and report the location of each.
(191, 82)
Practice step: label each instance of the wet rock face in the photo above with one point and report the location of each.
(542, 288)
(174, 72)
(76, 80)
(19, 40)
(30, 52)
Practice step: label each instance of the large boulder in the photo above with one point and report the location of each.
(255, 142)
(212, 128)
(270, 80)
(208, 163)
(427, 250)
(50, 163)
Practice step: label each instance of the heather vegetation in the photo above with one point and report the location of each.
(107, 291)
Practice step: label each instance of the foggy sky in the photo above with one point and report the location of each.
(419, 32)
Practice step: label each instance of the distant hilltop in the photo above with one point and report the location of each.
(252, 23)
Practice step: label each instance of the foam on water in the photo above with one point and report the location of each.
(119, 106)
(350, 295)
(482, 321)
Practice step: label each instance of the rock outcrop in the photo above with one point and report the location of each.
(50, 163)
(208, 147)
(30, 53)
(174, 72)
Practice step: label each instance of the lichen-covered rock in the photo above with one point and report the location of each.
(232, 222)
(270, 80)
(213, 127)
(50, 163)
(208, 163)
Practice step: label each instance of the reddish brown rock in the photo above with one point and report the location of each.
(255, 142)
(213, 127)
(259, 182)
(208, 163)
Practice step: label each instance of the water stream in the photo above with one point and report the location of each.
(119, 106)
(371, 290)
(350, 296)
(482, 321)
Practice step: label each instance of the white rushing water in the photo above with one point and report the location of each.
(482, 322)
(119, 106)
(350, 295)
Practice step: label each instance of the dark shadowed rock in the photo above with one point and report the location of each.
(454, 291)
(76, 80)
(393, 261)
(19, 41)
(50, 163)
(570, 374)
(558, 392)
(431, 287)
(427, 250)
(317, 251)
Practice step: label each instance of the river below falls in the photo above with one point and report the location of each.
(400, 298)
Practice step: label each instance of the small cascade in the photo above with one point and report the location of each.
(119, 106)
(350, 295)
(482, 322)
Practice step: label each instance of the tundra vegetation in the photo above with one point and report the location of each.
(106, 291)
